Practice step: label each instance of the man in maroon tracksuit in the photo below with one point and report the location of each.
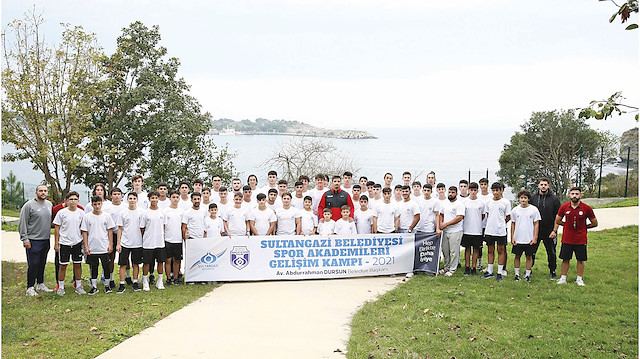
(334, 199)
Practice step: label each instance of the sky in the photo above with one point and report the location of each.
(367, 64)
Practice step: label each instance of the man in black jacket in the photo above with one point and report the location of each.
(548, 204)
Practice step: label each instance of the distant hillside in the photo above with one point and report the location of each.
(263, 126)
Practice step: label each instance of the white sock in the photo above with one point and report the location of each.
(500, 268)
(160, 277)
(517, 270)
(145, 278)
(579, 278)
(563, 277)
(490, 268)
(106, 281)
(78, 283)
(61, 283)
(121, 282)
(527, 272)
(94, 282)
(135, 281)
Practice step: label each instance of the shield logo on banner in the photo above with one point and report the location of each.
(239, 257)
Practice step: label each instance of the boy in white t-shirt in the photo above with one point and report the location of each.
(326, 226)
(343, 226)
(262, 220)
(429, 212)
(363, 216)
(213, 225)
(236, 218)
(386, 218)
(288, 217)
(173, 238)
(273, 201)
(152, 227)
(185, 202)
(308, 220)
(97, 235)
(68, 241)
(472, 229)
(129, 241)
(525, 220)
(498, 212)
(297, 200)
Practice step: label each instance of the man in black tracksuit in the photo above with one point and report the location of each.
(548, 204)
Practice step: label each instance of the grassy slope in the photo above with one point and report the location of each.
(469, 317)
(628, 202)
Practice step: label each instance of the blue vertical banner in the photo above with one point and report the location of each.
(426, 258)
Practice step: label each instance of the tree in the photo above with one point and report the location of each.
(625, 11)
(309, 156)
(49, 97)
(146, 121)
(12, 192)
(550, 145)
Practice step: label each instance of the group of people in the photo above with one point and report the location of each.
(149, 229)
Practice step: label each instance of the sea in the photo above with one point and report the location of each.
(452, 153)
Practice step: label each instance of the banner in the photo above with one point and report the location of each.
(427, 253)
(297, 257)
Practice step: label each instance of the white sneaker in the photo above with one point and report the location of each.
(31, 292)
(580, 282)
(562, 280)
(145, 285)
(60, 291)
(159, 284)
(409, 275)
(504, 273)
(80, 290)
(448, 274)
(43, 288)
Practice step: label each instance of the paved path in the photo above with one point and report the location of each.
(275, 319)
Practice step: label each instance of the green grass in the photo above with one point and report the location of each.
(469, 317)
(11, 212)
(9, 227)
(76, 326)
(627, 202)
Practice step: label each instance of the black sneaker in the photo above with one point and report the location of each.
(474, 272)
(112, 285)
(128, 281)
(487, 275)
(152, 279)
(121, 289)
(517, 277)
(527, 278)
(168, 282)
(135, 287)
(107, 289)
(499, 277)
(179, 275)
(93, 291)
(177, 282)
(552, 275)
(467, 271)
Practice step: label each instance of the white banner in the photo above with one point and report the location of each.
(297, 257)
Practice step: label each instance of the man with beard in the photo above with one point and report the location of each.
(193, 220)
(548, 205)
(452, 214)
(574, 236)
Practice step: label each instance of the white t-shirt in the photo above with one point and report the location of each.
(266, 189)
(374, 203)
(105, 205)
(308, 221)
(386, 214)
(345, 228)
(215, 196)
(407, 211)
(316, 194)
(164, 204)
(213, 227)
(236, 219)
(249, 205)
(363, 220)
(474, 209)
(524, 219)
(286, 221)
(194, 219)
(130, 222)
(497, 212)
(262, 219)
(297, 203)
(276, 204)
(114, 210)
(153, 222)
(326, 228)
(429, 208)
(143, 200)
(485, 198)
(222, 209)
(173, 229)
(185, 204)
(97, 228)
(69, 222)
(451, 210)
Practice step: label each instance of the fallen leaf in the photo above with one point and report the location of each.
(472, 339)
(427, 310)
(404, 306)
(36, 344)
(155, 304)
(538, 336)
(92, 329)
(67, 310)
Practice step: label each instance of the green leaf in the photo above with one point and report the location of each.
(631, 27)
(613, 17)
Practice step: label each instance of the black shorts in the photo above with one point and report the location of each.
(528, 249)
(471, 240)
(115, 241)
(173, 250)
(493, 240)
(567, 250)
(92, 259)
(75, 252)
(135, 253)
(150, 256)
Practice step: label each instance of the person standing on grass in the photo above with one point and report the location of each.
(525, 220)
(548, 204)
(452, 214)
(35, 233)
(574, 235)
(129, 242)
(68, 241)
(97, 235)
(152, 228)
(472, 229)
(54, 212)
(498, 212)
